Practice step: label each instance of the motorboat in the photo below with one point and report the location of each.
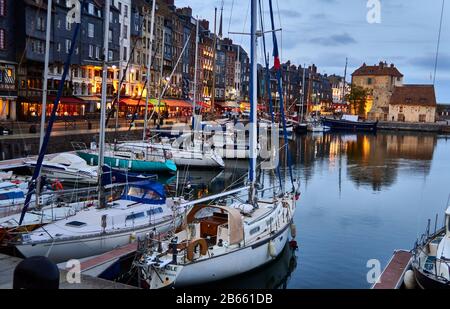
(67, 167)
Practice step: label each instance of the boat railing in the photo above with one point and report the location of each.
(418, 252)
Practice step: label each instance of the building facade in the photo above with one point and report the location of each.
(413, 103)
(381, 81)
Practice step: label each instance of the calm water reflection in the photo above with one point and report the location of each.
(363, 196)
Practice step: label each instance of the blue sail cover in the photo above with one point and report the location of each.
(147, 187)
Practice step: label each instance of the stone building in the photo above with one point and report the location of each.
(413, 103)
(380, 80)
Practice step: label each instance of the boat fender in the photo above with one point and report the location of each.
(293, 230)
(272, 251)
(410, 280)
(193, 245)
(133, 238)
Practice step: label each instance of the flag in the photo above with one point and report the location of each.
(276, 55)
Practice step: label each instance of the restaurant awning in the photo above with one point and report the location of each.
(228, 104)
(130, 102)
(246, 106)
(178, 103)
(65, 100)
(90, 98)
(203, 105)
(154, 102)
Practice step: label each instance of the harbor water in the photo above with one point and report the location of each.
(363, 196)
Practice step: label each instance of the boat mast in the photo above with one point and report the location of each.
(253, 101)
(149, 65)
(303, 94)
(345, 82)
(195, 73)
(44, 91)
(213, 92)
(101, 154)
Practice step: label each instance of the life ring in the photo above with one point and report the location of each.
(57, 186)
(192, 245)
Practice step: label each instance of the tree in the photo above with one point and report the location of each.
(358, 99)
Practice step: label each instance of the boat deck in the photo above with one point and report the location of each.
(392, 276)
(8, 264)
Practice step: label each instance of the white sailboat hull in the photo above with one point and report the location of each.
(77, 248)
(67, 176)
(232, 264)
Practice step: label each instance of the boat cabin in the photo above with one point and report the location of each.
(218, 225)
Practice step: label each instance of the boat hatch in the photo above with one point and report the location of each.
(76, 224)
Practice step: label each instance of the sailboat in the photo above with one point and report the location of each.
(143, 208)
(431, 258)
(221, 236)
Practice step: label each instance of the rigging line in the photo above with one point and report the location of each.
(245, 22)
(439, 42)
(281, 26)
(231, 16)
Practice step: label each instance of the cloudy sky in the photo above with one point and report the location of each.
(325, 32)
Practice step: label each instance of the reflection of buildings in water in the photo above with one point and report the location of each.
(411, 147)
(275, 275)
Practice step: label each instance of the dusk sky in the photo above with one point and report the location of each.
(325, 32)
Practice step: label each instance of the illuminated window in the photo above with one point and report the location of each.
(2, 39)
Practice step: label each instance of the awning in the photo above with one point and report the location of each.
(203, 105)
(178, 103)
(130, 102)
(228, 104)
(90, 99)
(246, 106)
(66, 100)
(154, 102)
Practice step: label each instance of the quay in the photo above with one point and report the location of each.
(414, 127)
(8, 264)
(393, 275)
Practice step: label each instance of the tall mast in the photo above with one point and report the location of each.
(149, 65)
(213, 93)
(101, 153)
(46, 64)
(161, 72)
(44, 90)
(345, 82)
(253, 100)
(195, 73)
(303, 93)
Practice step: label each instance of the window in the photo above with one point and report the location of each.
(422, 118)
(155, 211)
(91, 51)
(110, 55)
(125, 13)
(369, 81)
(135, 216)
(40, 23)
(125, 55)
(58, 47)
(125, 31)
(110, 36)
(255, 230)
(91, 30)
(91, 9)
(68, 45)
(97, 52)
(2, 7)
(2, 39)
(58, 24)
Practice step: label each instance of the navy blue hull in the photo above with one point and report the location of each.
(344, 125)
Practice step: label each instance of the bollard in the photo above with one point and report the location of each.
(36, 273)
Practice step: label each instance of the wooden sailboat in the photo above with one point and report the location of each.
(222, 237)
